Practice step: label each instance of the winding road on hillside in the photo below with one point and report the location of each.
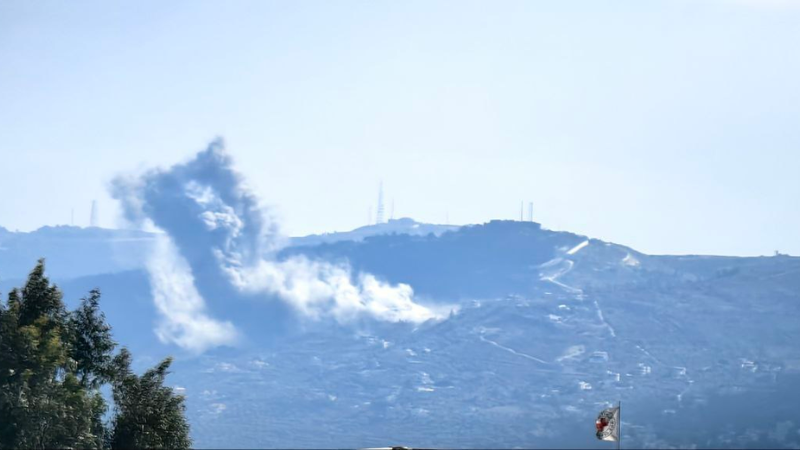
(566, 266)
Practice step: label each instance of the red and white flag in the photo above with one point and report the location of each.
(608, 424)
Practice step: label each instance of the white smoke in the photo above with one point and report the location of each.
(319, 289)
(184, 320)
(208, 216)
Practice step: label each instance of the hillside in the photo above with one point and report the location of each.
(72, 252)
(403, 225)
(550, 327)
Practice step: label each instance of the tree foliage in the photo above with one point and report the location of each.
(92, 343)
(149, 415)
(53, 363)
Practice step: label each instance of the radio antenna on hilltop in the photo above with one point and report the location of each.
(530, 211)
(93, 217)
(379, 214)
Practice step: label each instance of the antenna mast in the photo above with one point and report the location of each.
(93, 217)
(379, 215)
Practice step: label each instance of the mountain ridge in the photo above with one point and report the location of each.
(550, 327)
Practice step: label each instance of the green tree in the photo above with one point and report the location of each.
(42, 405)
(148, 414)
(52, 365)
(92, 343)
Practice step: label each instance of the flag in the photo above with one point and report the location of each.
(608, 424)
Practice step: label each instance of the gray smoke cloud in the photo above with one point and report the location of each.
(218, 241)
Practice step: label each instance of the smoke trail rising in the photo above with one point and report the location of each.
(220, 243)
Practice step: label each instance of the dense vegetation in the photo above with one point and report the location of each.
(53, 363)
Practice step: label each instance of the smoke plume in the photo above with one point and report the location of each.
(219, 244)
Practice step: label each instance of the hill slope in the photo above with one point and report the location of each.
(552, 327)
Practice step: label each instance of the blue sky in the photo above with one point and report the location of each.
(668, 126)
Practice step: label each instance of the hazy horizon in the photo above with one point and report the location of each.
(657, 142)
(669, 126)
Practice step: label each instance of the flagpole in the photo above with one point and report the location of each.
(619, 425)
